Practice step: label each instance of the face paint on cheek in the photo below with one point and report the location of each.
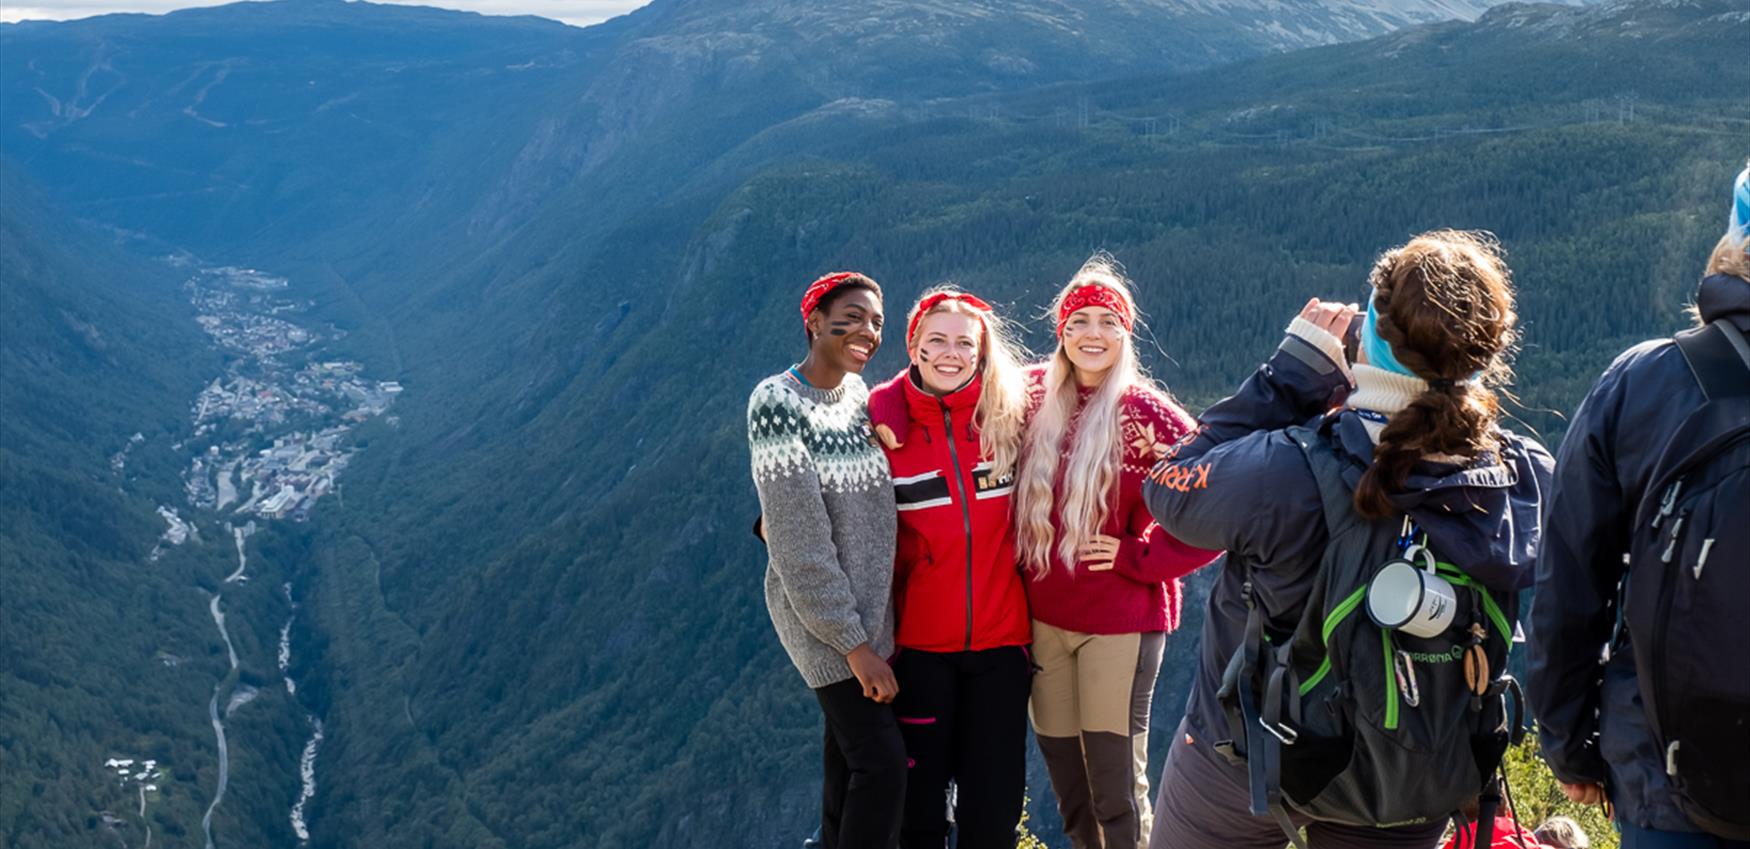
(839, 328)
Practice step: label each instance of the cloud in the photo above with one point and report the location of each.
(574, 12)
(61, 10)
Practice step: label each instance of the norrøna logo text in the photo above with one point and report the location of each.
(1443, 657)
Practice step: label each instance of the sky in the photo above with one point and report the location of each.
(574, 12)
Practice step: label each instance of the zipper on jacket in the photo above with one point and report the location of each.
(965, 511)
(1662, 627)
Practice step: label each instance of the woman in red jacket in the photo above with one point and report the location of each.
(1105, 580)
(962, 629)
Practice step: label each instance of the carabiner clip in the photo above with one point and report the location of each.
(1281, 732)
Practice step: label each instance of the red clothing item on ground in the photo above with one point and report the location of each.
(1142, 592)
(956, 583)
(1507, 835)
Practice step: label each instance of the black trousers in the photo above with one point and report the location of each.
(964, 717)
(863, 791)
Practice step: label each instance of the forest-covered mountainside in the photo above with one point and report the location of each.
(110, 654)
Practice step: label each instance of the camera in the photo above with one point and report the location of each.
(1352, 337)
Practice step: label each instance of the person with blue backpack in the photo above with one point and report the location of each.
(1350, 679)
(1639, 632)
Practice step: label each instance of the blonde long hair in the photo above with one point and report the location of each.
(1093, 464)
(1002, 402)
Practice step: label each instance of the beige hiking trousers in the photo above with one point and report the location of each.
(1090, 706)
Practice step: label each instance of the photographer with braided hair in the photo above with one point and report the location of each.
(1321, 469)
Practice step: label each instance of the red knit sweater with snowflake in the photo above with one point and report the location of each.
(1142, 592)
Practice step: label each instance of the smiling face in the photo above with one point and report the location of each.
(1092, 338)
(848, 332)
(946, 349)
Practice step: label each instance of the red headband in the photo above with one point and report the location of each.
(1094, 295)
(819, 288)
(930, 302)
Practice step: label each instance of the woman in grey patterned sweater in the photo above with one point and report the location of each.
(827, 505)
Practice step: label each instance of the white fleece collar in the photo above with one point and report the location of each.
(1383, 391)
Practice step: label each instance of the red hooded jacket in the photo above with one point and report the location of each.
(956, 585)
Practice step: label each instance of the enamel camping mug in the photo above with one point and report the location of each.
(1412, 597)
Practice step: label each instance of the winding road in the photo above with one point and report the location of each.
(218, 689)
(143, 821)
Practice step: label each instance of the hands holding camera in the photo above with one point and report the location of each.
(1342, 321)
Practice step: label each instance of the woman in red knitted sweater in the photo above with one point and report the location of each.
(1104, 580)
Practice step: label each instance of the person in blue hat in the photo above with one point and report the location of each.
(1651, 486)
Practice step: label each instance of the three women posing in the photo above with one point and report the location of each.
(1014, 491)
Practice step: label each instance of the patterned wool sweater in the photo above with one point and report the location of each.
(827, 502)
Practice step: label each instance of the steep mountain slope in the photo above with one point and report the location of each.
(266, 123)
(109, 648)
(925, 49)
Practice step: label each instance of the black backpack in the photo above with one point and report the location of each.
(1688, 614)
(1344, 721)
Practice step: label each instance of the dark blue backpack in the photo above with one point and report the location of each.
(1344, 721)
(1687, 601)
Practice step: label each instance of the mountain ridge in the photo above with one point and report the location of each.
(625, 75)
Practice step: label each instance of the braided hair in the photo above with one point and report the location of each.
(1445, 306)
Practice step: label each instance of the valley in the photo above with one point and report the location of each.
(255, 451)
(277, 423)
